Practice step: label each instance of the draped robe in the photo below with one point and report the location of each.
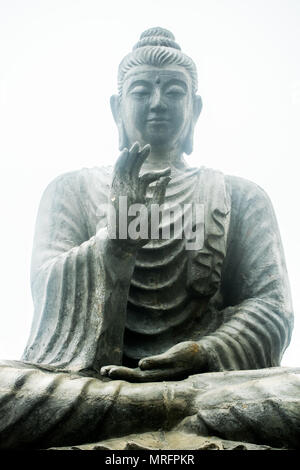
(40, 409)
(232, 295)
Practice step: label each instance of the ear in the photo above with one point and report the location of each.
(189, 140)
(115, 109)
(197, 107)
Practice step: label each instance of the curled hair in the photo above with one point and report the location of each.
(156, 47)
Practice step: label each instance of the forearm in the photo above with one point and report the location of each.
(118, 266)
(254, 335)
(80, 299)
(256, 319)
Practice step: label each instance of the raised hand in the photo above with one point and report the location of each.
(127, 182)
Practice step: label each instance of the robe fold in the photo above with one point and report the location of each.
(42, 409)
(231, 295)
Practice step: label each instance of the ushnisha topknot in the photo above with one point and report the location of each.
(157, 37)
(158, 31)
(157, 47)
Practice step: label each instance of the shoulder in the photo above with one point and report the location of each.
(244, 191)
(243, 185)
(250, 205)
(234, 184)
(246, 199)
(239, 191)
(80, 180)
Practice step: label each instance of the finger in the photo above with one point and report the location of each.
(157, 375)
(155, 362)
(138, 376)
(122, 373)
(171, 373)
(151, 176)
(160, 190)
(139, 161)
(105, 370)
(121, 163)
(133, 155)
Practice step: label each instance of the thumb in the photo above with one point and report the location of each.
(160, 190)
(156, 362)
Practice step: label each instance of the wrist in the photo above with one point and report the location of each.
(115, 249)
(121, 248)
(202, 357)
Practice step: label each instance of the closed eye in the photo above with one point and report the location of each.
(175, 91)
(139, 91)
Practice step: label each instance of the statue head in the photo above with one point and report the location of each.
(157, 102)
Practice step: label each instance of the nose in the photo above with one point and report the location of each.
(157, 102)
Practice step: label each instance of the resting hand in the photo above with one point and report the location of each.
(178, 362)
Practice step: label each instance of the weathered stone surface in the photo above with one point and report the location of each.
(42, 409)
(114, 302)
(205, 327)
(166, 441)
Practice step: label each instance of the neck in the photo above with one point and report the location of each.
(161, 159)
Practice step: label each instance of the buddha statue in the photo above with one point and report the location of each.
(203, 326)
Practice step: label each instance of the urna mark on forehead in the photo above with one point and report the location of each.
(158, 75)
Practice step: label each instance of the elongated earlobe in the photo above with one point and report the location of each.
(123, 140)
(115, 108)
(188, 143)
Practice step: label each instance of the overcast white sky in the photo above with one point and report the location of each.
(58, 66)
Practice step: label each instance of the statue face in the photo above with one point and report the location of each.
(157, 106)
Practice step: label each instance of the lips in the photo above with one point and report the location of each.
(158, 120)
